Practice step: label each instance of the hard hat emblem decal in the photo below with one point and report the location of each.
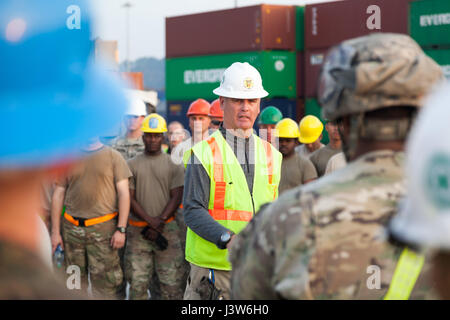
(248, 83)
(153, 123)
(437, 175)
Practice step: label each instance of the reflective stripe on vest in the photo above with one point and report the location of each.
(268, 148)
(405, 276)
(219, 212)
(230, 202)
(186, 156)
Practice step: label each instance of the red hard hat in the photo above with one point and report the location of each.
(199, 107)
(215, 110)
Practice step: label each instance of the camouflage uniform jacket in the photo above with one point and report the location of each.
(323, 240)
(129, 148)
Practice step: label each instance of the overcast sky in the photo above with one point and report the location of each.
(147, 20)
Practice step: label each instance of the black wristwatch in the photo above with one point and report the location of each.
(121, 229)
(224, 239)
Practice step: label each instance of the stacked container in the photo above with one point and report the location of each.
(300, 48)
(328, 24)
(135, 80)
(199, 47)
(429, 25)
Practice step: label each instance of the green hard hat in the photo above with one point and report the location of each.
(270, 115)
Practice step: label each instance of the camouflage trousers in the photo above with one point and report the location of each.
(143, 258)
(89, 248)
(154, 284)
(179, 218)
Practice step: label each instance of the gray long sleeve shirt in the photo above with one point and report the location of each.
(197, 188)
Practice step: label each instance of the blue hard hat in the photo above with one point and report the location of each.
(53, 99)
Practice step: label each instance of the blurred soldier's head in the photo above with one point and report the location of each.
(50, 88)
(333, 132)
(154, 126)
(310, 134)
(215, 114)
(268, 119)
(136, 113)
(372, 87)
(198, 118)
(287, 133)
(176, 134)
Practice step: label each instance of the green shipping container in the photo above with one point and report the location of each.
(312, 107)
(429, 22)
(442, 57)
(196, 77)
(300, 28)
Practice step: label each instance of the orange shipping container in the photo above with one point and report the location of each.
(135, 79)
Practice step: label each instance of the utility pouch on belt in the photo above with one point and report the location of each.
(207, 289)
(160, 241)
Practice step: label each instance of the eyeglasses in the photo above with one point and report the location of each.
(216, 122)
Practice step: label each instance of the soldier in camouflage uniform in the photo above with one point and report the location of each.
(129, 148)
(423, 220)
(327, 240)
(156, 188)
(130, 145)
(97, 201)
(41, 91)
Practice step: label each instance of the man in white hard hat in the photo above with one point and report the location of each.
(423, 222)
(327, 240)
(229, 177)
(131, 143)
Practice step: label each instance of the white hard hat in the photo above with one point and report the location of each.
(136, 105)
(424, 218)
(241, 81)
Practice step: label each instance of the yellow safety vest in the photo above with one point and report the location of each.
(230, 202)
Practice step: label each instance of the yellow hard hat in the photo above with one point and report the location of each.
(286, 128)
(310, 129)
(154, 123)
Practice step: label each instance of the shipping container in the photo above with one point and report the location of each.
(442, 57)
(429, 22)
(300, 28)
(312, 107)
(300, 109)
(134, 80)
(330, 23)
(313, 63)
(300, 74)
(262, 27)
(288, 107)
(176, 111)
(196, 77)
